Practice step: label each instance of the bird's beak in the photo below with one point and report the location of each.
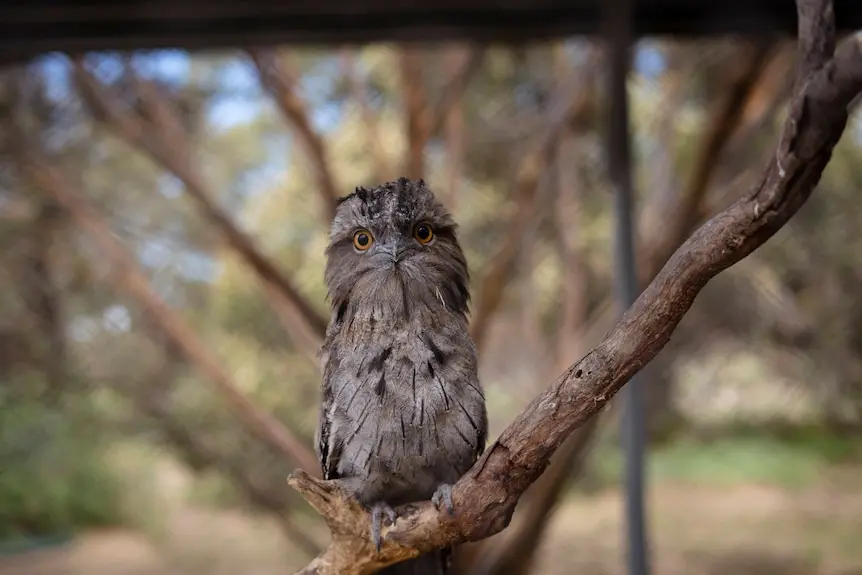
(395, 249)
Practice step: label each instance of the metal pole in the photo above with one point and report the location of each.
(618, 17)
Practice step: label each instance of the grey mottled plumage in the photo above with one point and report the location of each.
(403, 415)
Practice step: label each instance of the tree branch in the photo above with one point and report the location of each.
(282, 87)
(486, 496)
(166, 142)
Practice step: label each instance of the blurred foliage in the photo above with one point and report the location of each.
(55, 478)
(791, 457)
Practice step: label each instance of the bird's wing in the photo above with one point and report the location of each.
(328, 448)
(482, 435)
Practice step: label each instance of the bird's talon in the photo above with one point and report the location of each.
(443, 496)
(378, 510)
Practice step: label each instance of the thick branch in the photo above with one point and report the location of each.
(486, 496)
(512, 552)
(282, 87)
(515, 552)
(497, 553)
(167, 144)
(128, 276)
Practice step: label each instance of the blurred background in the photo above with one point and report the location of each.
(163, 217)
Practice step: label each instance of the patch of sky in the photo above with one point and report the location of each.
(577, 48)
(242, 101)
(116, 319)
(56, 73)
(169, 66)
(157, 254)
(197, 266)
(319, 86)
(107, 66)
(82, 328)
(649, 60)
(170, 186)
(239, 99)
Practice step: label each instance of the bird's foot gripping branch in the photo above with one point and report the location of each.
(827, 82)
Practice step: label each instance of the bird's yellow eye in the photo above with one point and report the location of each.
(423, 233)
(362, 240)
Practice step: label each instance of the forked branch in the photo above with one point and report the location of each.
(486, 496)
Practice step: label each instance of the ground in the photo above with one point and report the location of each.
(699, 528)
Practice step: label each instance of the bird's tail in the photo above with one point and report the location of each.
(434, 563)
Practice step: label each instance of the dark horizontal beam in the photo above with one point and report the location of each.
(39, 26)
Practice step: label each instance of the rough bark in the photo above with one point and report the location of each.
(494, 556)
(164, 139)
(486, 496)
(515, 552)
(656, 248)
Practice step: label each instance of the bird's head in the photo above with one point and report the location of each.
(394, 247)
